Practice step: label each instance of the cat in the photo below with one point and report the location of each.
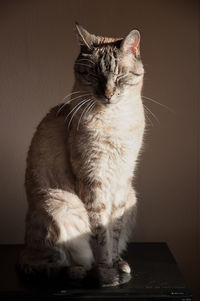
(81, 162)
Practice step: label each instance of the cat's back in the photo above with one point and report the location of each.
(48, 158)
(49, 136)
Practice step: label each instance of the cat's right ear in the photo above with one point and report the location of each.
(85, 38)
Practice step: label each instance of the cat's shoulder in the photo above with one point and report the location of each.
(53, 121)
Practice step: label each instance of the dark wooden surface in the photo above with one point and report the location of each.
(155, 276)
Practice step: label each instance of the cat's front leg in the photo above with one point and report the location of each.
(108, 274)
(99, 208)
(118, 211)
(117, 221)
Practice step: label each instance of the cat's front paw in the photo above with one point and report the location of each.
(122, 266)
(108, 276)
(124, 270)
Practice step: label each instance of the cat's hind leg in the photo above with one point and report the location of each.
(58, 235)
(48, 261)
(42, 252)
(75, 234)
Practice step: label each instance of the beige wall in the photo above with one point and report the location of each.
(37, 51)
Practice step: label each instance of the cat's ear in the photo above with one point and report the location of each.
(131, 43)
(85, 38)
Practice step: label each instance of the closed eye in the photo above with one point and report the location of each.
(122, 79)
(136, 74)
(128, 79)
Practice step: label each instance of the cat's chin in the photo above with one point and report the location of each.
(105, 103)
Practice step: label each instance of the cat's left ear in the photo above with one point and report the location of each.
(85, 38)
(131, 43)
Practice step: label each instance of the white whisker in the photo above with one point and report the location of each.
(82, 115)
(86, 60)
(80, 105)
(92, 107)
(72, 94)
(83, 65)
(153, 100)
(74, 108)
(83, 95)
(85, 54)
(148, 117)
(152, 114)
(70, 100)
(89, 107)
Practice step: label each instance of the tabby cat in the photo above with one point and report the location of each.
(80, 165)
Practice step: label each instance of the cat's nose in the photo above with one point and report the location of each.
(108, 96)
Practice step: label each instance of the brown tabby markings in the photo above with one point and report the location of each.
(96, 184)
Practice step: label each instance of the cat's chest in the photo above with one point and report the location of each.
(116, 131)
(107, 143)
(111, 139)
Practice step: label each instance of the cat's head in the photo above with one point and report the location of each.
(109, 68)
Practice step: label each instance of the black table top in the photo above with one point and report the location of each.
(155, 276)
